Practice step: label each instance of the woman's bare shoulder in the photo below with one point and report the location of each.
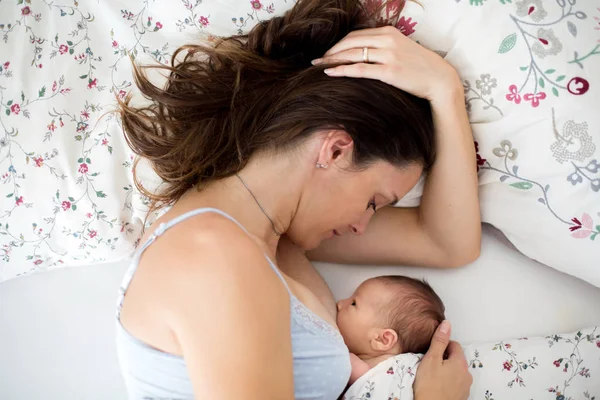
(198, 244)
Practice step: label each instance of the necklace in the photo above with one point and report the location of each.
(259, 206)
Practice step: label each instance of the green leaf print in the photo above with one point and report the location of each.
(508, 43)
(522, 185)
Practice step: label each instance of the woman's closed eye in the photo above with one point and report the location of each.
(372, 205)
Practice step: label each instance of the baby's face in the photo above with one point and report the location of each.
(360, 313)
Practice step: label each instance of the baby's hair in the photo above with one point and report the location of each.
(414, 312)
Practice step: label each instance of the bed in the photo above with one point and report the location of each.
(70, 216)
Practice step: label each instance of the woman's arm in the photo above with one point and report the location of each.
(445, 230)
(227, 310)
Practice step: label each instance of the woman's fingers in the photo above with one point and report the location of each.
(439, 342)
(373, 37)
(355, 56)
(360, 70)
(456, 354)
(358, 42)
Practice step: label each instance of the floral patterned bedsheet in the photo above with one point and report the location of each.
(555, 367)
(531, 74)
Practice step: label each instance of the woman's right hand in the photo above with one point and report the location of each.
(443, 379)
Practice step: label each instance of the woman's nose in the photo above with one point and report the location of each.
(360, 227)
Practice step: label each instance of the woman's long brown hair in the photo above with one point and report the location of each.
(221, 104)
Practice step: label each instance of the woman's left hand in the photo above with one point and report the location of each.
(394, 59)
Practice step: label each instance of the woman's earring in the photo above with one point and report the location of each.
(319, 165)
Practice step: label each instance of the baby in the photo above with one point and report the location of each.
(386, 318)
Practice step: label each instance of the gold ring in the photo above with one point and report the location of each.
(365, 54)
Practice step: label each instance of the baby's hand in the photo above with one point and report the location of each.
(359, 368)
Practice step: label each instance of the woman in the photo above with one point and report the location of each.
(253, 142)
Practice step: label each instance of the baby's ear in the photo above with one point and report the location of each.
(385, 340)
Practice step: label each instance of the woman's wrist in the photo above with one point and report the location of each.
(450, 91)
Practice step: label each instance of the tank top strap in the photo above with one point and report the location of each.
(161, 229)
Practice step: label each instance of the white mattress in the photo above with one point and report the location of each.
(56, 328)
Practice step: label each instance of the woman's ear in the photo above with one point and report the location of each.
(336, 147)
(385, 340)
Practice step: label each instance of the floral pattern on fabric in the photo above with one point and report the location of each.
(66, 188)
(561, 367)
(528, 68)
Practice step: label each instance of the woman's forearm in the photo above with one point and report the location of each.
(449, 209)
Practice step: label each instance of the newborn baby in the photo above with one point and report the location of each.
(385, 317)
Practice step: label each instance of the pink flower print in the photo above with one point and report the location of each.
(514, 94)
(115, 44)
(25, 11)
(92, 83)
(40, 66)
(6, 64)
(83, 168)
(535, 98)
(38, 17)
(63, 48)
(158, 26)
(38, 262)
(89, 215)
(66, 205)
(52, 127)
(578, 86)
(507, 345)
(406, 26)
(256, 4)
(92, 234)
(15, 109)
(85, 114)
(104, 142)
(39, 161)
(582, 229)
(54, 86)
(507, 365)
(61, 122)
(598, 344)
(19, 200)
(65, 91)
(556, 363)
(122, 94)
(203, 21)
(390, 371)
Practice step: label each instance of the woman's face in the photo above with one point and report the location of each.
(342, 202)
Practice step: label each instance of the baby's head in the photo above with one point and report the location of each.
(390, 315)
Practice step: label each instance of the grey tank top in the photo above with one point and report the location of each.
(321, 360)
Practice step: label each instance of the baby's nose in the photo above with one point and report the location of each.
(339, 305)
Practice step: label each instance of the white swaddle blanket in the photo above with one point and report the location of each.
(554, 367)
(390, 379)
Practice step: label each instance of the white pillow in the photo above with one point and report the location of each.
(65, 174)
(67, 199)
(531, 72)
